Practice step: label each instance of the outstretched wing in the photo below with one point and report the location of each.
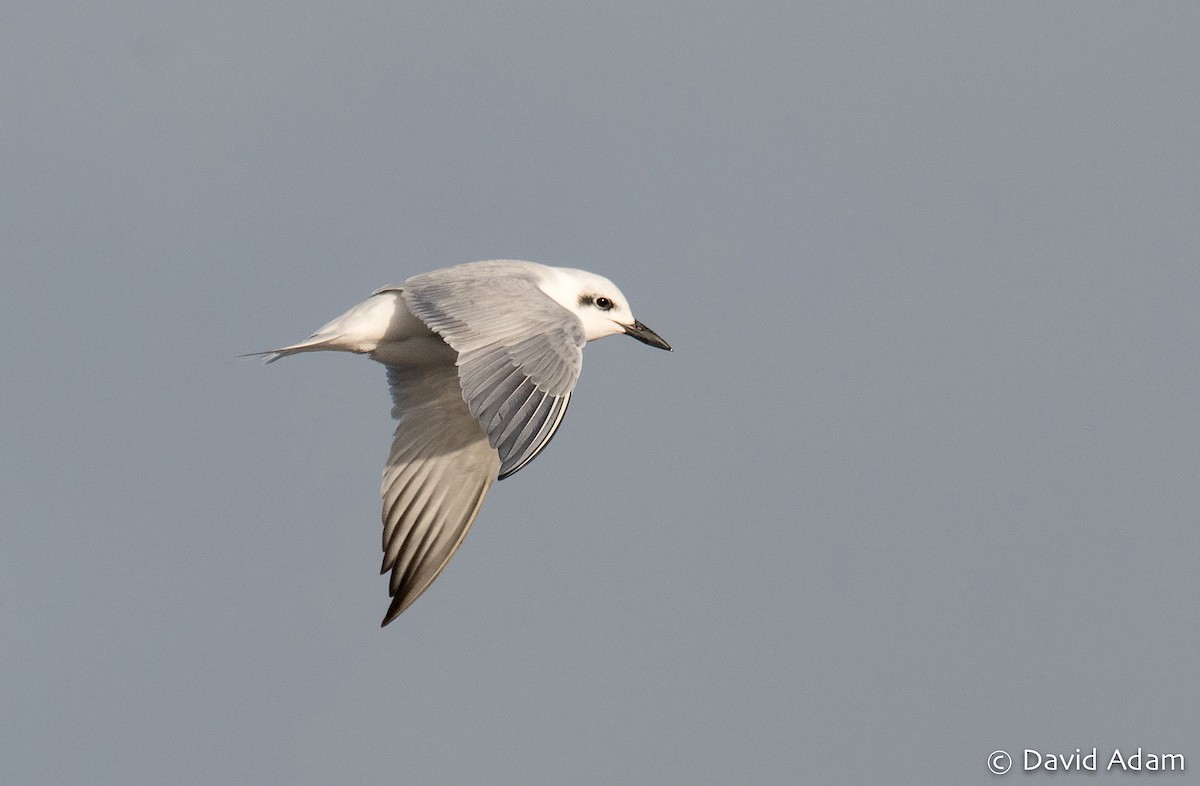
(519, 352)
(439, 470)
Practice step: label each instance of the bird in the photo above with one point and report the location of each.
(481, 361)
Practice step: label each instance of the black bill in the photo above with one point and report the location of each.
(646, 335)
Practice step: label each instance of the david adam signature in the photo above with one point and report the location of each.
(1119, 761)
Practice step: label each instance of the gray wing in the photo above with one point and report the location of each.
(519, 352)
(439, 470)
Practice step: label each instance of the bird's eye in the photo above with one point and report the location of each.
(603, 303)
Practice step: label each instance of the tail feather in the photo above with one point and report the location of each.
(311, 345)
(359, 330)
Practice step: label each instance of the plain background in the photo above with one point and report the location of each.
(919, 482)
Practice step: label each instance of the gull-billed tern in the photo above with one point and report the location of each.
(481, 360)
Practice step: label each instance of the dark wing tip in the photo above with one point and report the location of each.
(398, 605)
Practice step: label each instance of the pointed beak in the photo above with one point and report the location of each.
(645, 335)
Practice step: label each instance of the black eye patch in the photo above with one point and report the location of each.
(600, 302)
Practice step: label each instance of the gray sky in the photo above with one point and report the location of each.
(918, 483)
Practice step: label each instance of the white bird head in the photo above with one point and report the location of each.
(598, 303)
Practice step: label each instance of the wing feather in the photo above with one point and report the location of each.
(525, 406)
(439, 470)
(558, 408)
(519, 352)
